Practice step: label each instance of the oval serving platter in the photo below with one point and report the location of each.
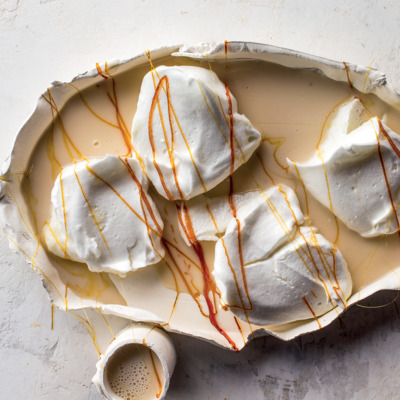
(288, 96)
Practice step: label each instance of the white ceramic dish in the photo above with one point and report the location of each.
(286, 94)
(138, 364)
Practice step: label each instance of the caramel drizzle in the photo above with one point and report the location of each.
(121, 124)
(209, 284)
(171, 111)
(65, 219)
(389, 191)
(92, 212)
(306, 253)
(312, 311)
(348, 75)
(65, 136)
(155, 102)
(394, 148)
(145, 205)
(242, 304)
(87, 105)
(159, 384)
(226, 46)
(233, 208)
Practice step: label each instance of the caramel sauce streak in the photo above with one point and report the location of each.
(151, 138)
(277, 143)
(325, 265)
(189, 289)
(92, 212)
(220, 129)
(159, 384)
(366, 77)
(87, 324)
(239, 329)
(107, 323)
(232, 204)
(99, 70)
(226, 45)
(94, 113)
(303, 253)
(65, 216)
(242, 306)
(264, 168)
(170, 148)
(348, 75)
(118, 195)
(208, 283)
(66, 297)
(52, 316)
(126, 135)
(171, 108)
(387, 180)
(66, 138)
(389, 139)
(142, 194)
(312, 311)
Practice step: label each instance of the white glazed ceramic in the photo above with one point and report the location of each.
(133, 337)
(16, 219)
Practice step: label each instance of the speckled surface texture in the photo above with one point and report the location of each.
(46, 40)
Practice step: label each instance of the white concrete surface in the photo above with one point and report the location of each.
(46, 40)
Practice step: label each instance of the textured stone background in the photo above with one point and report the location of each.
(46, 40)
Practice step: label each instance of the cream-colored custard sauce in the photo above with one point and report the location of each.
(289, 107)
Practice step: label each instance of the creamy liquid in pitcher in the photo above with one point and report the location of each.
(134, 372)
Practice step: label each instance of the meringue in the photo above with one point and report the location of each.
(210, 215)
(102, 216)
(182, 130)
(281, 272)
(355, 172)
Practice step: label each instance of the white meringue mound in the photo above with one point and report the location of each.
(210, 215)
(288, 269)
(200, 123)
(102, 229)
(349, 166)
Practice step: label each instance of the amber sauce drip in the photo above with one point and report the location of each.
(226, 45)
(208, 282)
(385, 174)
(348, 75)
(146, 209)
(312, 311)
(396, 150)
(151, 138)
(233, 208)
(145, 204)
(171, 111)
(159, 384)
